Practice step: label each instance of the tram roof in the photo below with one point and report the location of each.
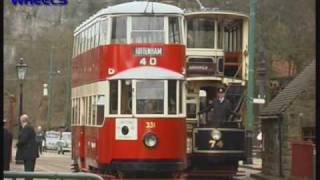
(217, 12)
(135, 7)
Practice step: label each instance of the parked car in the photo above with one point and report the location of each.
(52, 137)
(64, 144)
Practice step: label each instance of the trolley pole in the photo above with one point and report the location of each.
(49, 115)
(67, 113)
(251, 82)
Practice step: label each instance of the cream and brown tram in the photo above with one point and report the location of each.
(216, 57)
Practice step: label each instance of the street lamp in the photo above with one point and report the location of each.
(21, 69)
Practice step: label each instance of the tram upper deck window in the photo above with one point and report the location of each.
(146, 29)
(150, 97)
(201, 33)
(174, 30)
(119, 30)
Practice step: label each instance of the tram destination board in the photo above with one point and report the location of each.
(148, 51)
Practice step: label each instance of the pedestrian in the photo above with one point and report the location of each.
(7, 146)
(27, 145)
(40, 139)
(218, 110)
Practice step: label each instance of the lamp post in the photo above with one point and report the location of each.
(21, 69)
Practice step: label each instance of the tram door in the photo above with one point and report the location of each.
(192, 102)
(207, 93)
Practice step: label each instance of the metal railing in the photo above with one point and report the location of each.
(50, 175)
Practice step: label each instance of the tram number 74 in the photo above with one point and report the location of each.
(148, 61)
(150, 124)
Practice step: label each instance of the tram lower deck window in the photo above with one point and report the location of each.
(100, 109)
(113, 97)
(126, 97)
(172, 97)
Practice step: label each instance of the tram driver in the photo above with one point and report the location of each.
(218, 110)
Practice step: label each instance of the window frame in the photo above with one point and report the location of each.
(165, 114)
(166, 28)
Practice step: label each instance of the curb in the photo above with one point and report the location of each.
(250, 167)
(261, 176)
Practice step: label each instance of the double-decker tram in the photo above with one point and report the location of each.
(128, 114)
(216, 67)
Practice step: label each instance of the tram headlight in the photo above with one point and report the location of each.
(216, 134)
(150, 140)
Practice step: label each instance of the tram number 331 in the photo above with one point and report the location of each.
(150, 125)
(148, 61)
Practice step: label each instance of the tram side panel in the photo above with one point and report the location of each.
(115, 152)
(95, 64)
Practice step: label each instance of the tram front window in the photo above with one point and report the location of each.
(150, 97)
(147, 29)
(201, 33)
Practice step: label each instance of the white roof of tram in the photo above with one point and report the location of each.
(147, 72)
(216, 12)
(135, 7)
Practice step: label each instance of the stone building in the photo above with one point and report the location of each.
(290, 116)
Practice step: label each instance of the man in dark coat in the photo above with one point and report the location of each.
(27, 145)
(7, 147)
(219, 110)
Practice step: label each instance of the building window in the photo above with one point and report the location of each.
(309, 134)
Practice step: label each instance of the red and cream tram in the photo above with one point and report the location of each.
(128, 113)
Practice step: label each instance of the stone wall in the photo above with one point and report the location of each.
(301, 113)
(270, 154)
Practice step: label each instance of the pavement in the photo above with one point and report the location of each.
(261, 176)
(256, 164)
(48, 161)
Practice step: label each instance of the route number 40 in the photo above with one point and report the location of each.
(148, 61)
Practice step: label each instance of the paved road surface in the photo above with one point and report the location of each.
(52, 162)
